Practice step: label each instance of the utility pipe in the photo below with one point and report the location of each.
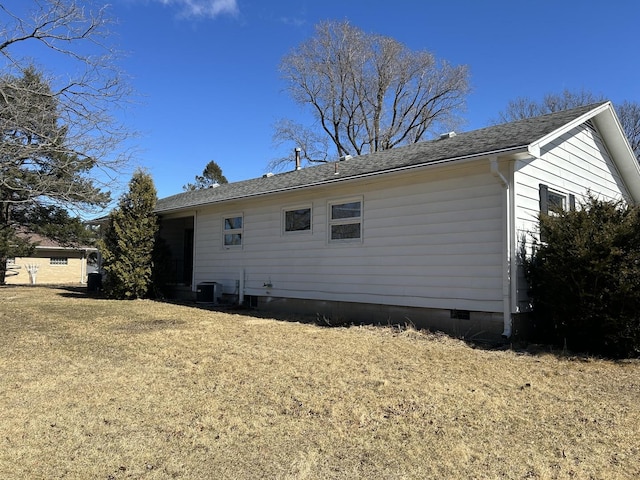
(241, 288)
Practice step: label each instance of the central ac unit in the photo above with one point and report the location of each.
(209, 292)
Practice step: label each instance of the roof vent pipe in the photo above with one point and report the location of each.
(298, 158)
(447, 135)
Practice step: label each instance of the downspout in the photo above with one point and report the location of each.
(506, 262)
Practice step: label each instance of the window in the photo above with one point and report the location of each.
(232, 234)
(11, 261)
(345, 221)
(556, 202)
(58, 261)
(297, 220)
(553, 202)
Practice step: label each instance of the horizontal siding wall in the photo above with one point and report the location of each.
(430, 239)
(575, 163)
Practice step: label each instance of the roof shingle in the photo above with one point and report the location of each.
(504, 137)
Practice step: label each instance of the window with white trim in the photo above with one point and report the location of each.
(296, 220)
(232, 231)
(554, 202)
(345, 221)
(58, 261)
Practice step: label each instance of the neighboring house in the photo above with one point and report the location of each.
(53, 264)
(429, 233)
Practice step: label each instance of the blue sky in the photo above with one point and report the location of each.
(206, 71)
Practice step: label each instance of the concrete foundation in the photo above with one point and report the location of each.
(480, 326)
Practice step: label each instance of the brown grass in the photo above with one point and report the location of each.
(92, 388)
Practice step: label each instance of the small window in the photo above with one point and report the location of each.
(345, 221)
(556, 202)
(232, 235)
(11, 261)
(58, 261)
(297, 220)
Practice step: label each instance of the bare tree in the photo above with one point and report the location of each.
(523, 107)
(60, 144)
(367, 93)
(314, 146)
(629, 114)
(86, 100)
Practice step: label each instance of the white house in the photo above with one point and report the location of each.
(428, 233)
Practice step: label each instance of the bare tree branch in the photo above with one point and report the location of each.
(629, 114)
(79, 35)
(313, 146)
(60, 144)
(523, 107)
(370, 92)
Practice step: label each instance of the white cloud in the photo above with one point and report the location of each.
(293, 21)
(204, 8)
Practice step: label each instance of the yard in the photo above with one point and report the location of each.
(93, 388)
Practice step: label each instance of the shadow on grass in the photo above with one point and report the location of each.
(78, 291)
(69, 291)
(520, 346)
(81, 291)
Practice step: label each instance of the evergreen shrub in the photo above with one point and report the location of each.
(584, 279)
(128, 243)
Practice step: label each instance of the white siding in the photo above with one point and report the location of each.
(430, 239)
(575, 163)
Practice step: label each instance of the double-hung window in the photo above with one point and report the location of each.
(232, 231)
(345, 221)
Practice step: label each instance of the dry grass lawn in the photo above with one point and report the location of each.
(100, 389)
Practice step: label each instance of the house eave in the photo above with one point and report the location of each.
(67, 249)
(541, 142)
(522, 149)
(608, 124)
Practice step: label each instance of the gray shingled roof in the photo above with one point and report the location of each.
(498, 138)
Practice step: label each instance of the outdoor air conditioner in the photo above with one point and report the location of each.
(208, 292)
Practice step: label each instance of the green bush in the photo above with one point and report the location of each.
(584, 279)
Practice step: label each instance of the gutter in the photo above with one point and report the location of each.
(337, 179)
(507, 251)
(69, 249)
